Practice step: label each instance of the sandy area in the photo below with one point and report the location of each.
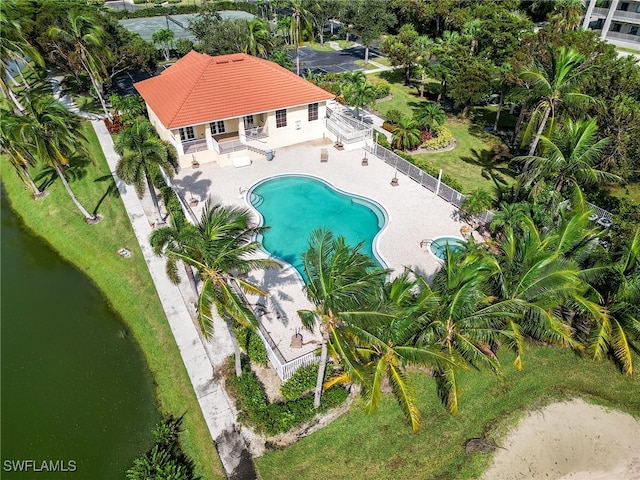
(570, 441)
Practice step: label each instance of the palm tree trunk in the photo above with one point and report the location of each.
(366, 55)
(8, 93)
(37, 193)
(297, 61)
(96, 87)
(154, 197)
(321, 369)
(87, 216)
(236, 347)
(422, 75)
(191, 278)
(543, 124)
(495, 124)
(518, 126)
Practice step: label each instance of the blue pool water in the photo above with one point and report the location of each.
(293, 206)
(439, 246)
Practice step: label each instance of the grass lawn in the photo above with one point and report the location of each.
(628, 50)
(631, 192)
(126, 284)
(368, 66)
(319, 47)
(358, 447)
(470, 162)
(382, 61)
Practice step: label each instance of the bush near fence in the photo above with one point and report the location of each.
(273, 418)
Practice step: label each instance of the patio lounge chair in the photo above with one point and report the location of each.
(324, 155)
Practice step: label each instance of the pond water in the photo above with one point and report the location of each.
(76, 392)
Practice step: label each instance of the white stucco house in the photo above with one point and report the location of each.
(232, 109)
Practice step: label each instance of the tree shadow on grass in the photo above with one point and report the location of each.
(110, 191)
(493, 164)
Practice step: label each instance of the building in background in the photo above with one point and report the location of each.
(617, 20)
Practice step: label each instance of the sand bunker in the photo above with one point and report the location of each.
(570, 441)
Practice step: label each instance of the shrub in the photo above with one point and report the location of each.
(389, 127)
(250, 342)
(382, 90)
(279, 417)
(114, 126)
(303, 380)
(442, 139)
(382, 140)
(393, 116)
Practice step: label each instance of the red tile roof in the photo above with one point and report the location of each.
(199, 89)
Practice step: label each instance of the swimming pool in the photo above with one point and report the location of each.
(293, 206)
(439, 245)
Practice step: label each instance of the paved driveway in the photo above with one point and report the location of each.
(335, 61)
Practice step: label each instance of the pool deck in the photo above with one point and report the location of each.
(414, 214)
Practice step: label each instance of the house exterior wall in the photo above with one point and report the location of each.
(617, 20)
(298, 129)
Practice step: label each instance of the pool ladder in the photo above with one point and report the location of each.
(255, 199)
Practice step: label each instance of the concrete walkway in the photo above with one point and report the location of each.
(217, 408)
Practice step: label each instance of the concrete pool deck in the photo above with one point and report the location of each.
(414, 214)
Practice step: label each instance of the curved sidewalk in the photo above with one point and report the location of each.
(217, 408)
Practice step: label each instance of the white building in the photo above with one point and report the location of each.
(618, 21)
(232, 109)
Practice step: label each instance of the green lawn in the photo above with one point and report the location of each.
(358, 447)
(319, 47)
(126, 284)
(382, 61)
(470, 162)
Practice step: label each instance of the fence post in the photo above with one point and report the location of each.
(439, 180)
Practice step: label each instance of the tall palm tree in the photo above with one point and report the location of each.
(15, 51)
(569, 159)
(258, 39)
(17, 151)
(342, 283)
(566, 14)
(406, 134)
(51, 134)
(140, 150)
(471, 30)
(300, 24)
(88, 40)
(424, 49)
(551, 85)
(429, 116)
(222, 248)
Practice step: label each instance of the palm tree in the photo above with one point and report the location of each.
(566, 14)
(15, 51)
(406, 135)
(342, 284)
(258, 39)
(618, 332)
(17, 151)
(222, 248)
(357, 91)
(478, 202)
(539, 272)
(569, 159)
(551, 85)
(424, 48)
(173, 238)
(50, 135)
(460, 317)
(383, 349)
(502, 73)
(471, 30)
(429, 116)
(300, 24)
(88, 40)
(129, 106)
(140, 150)
(164, 37)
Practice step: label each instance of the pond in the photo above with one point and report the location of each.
(76, 392)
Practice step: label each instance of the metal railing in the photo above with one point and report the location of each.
(444, 191)
(228, 146)
(194, 146)
(256, 133)
(347, 129)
